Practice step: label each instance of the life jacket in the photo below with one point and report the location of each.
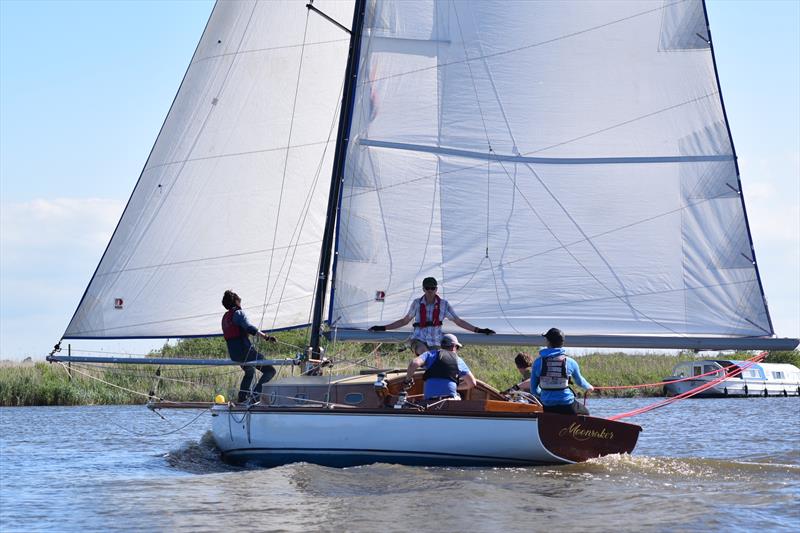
(229, 328)
(422, 313)
(554, 373)
(445, 366)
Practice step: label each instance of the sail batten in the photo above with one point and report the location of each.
(493, 156)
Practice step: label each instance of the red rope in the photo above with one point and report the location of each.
(697, 390)
(645, 385)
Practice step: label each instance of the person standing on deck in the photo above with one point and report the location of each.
(428, 313)
(552, 372)
(237, 330)
(445, 371)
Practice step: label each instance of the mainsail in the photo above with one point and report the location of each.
(233, 193)
(552, 163)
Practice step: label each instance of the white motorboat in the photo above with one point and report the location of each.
(747, 379)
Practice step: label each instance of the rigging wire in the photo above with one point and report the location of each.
(283, 175)
(154, 435)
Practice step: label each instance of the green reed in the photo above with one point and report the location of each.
(42, 383)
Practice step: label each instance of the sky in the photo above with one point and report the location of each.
(85, 87)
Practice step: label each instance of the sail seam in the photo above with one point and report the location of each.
(268, 49)
(212, 258)
(527, 46)
(598, 299)
(237, 154)
(165, 321)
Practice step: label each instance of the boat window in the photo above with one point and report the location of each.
(709, 368)
(354, 398)
(698, 370)
(272, 398)
(682, 371)
(300, 398)
(777, 375)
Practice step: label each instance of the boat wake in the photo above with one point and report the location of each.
(665, 468)
(199, 457)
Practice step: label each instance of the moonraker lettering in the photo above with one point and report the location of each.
(578, 433)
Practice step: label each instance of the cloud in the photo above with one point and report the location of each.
(71, 222)
(48, 251)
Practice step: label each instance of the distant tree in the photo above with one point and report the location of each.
(790, 357)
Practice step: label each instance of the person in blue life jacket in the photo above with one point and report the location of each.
(445, 372)
(428, 313)
(551, 374)
(237, 330)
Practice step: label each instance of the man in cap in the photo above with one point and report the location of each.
(428, 313)
(552, 372)
(445, 371)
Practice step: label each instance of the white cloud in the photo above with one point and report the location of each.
(73, 222)
(48, 251)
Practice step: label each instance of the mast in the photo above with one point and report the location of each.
(342, 137)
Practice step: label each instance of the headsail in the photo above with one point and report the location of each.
(549, 162)
(233, 194)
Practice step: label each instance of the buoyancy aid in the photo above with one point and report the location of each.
(422, 313)
(445, 366)
(554, 373)
(229, 328)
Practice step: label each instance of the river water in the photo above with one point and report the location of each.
(705, 464)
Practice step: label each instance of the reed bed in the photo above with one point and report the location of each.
(40, 383)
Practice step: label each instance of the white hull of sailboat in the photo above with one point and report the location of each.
(343, 439)
(340, 438)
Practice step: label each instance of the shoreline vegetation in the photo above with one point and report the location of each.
(45, 384)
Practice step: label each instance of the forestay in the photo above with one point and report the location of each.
(233, 193)
(552, 163)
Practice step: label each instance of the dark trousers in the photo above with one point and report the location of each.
(267, 373)
(575, 408)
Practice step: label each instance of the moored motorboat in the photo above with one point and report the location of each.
(745, 379)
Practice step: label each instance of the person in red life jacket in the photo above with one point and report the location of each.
(237, 330)
(428, 313)
(552, 373)
(445, 372)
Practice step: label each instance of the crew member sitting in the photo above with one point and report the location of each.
(523, 362)
(445, 371)
(552, 372)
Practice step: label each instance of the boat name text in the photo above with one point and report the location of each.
(579, 433)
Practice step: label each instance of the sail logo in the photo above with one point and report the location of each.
(577, 432)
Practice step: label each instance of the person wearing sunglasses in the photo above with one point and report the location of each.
(428, 313)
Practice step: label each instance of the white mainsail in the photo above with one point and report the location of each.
(551, 163)
(233, 194)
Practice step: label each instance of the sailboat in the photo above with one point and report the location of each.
(551, 163)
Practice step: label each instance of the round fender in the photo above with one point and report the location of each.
(785, 394)
(746, 391)
(725, 391)
(766, 392)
